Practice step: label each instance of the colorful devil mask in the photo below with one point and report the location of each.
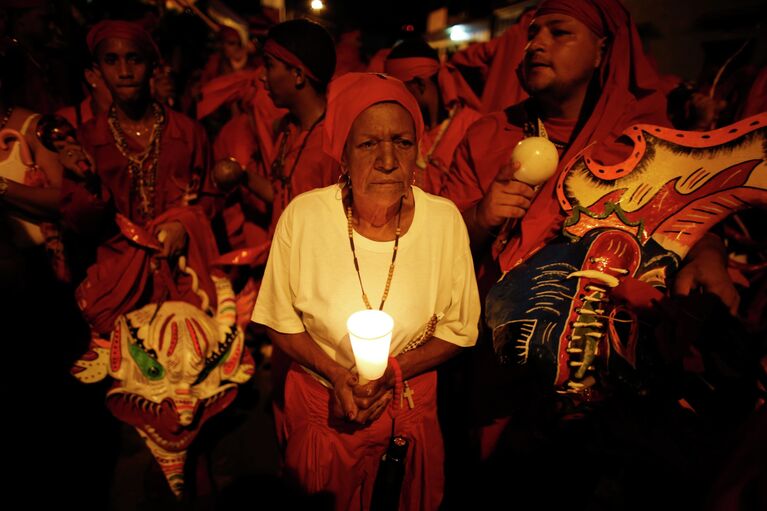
(629, 226)
(174, 368)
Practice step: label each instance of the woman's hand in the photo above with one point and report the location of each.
(343, 406)
(365, 396)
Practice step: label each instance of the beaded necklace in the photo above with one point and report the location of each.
(278, 166)
(393, 255)
(142, 166)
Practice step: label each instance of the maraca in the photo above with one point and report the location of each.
(538, 160)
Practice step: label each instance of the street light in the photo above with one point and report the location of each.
(317, 5)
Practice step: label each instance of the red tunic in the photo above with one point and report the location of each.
(487, 146)
(182, 172)
(120, 280)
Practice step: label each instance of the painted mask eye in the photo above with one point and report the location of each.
(150, 368)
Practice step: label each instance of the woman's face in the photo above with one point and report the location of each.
(380, 153)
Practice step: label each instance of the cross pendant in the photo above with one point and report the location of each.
(407, 393)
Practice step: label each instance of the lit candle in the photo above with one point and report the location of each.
(370, 335)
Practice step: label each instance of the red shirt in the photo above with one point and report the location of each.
(305, 166)
(441, 158)
(182, 174)
(486, 147)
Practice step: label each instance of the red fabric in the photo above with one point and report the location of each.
(119, 29)
(452, 86)
(346, 102)
(182, 168)
(377, 63)
(262, 116)
(315, 169)
(756, 102)
(348, 54)
(246, 216)
(630, 93)
(497, 60)
(227, 89)
(326, 454)
(181, 174)
(278, 51)
(70, 112)
(123, 280)
(438, 166)
(584, 11)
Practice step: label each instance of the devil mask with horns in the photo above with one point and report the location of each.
(568, 311)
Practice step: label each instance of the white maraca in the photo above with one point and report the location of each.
(538, 160)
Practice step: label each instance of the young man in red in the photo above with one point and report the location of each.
(147, 165)
(299, 61)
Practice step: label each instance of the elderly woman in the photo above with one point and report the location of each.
(373, 241)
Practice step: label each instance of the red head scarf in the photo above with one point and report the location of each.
(452, 86)
(630, 93)
(352, 94)
(121, 30)
(278, 51)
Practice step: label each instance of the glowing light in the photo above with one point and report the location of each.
(459, 33)
(538, 159)
(317, 5)
(370, 335)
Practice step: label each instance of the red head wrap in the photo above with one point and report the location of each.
(276, 50)
(452, 86)
(118, 29)
(353, 93)
(583, 10)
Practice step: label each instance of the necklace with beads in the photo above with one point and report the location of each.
(6, 117)
(278, 165)
(142, 166)
(393, 255)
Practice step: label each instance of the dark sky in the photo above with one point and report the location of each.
(388, 15)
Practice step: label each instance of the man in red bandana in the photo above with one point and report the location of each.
(588, 80)
(448, 105)
(146, 179)
(299, 61)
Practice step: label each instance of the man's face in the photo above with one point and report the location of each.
(124, 67)
(560, 57)
(280, 81)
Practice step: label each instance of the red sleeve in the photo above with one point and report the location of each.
(209, 198)
(462, 184)
(84, 213)
(479, 56)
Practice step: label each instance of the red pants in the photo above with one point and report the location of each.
(331, 455)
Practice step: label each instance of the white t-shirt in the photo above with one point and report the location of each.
(310, 282)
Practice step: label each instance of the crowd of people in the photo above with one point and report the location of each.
(319, 186)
